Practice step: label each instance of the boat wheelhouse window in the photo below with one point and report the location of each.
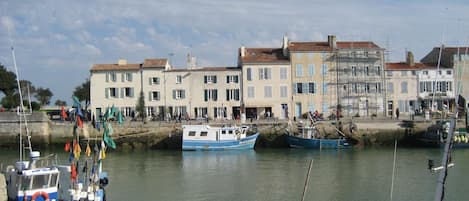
(53, 180)
(203, 133)
(25, 183)
(191, 133)
(230, 132)
(40, 181)
(223, 132)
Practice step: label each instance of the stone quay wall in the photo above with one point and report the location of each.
(168, 135)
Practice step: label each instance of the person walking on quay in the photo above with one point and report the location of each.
(397, 113)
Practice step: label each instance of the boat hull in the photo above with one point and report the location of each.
(211, 145)
(297, 142)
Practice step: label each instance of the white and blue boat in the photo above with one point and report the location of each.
(208, 138)
(308, 138)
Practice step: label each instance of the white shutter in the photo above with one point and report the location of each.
(150, 97)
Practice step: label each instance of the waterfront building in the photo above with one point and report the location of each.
(401, 86)
(266, 81)
(114, 84)
(456, 58)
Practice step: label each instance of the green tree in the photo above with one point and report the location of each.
(82, 92)
(59, 102)
(43, 96)
(7, 81)
(140, 107)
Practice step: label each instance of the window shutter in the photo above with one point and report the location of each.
(236, 94)
(122, 92)
(260, 74)
(106, 92)
(123, 77)
(157, 95)
(205, 95)
(236, 79)
(205, 79)
(215, 95)
(305, 88)
(174, 94)
(150, 81)
(294, 88)
(269, 73)
(130, 77)
(107, 77)
(183, 94)
(227, 79)
(215, 79)
(315, 87)
(150, 96)
(132, 92)
(117, 92)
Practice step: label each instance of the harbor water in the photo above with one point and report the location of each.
(278, 174)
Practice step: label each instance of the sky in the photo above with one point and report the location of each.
(57, 42)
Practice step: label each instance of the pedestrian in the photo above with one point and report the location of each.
(397, 113)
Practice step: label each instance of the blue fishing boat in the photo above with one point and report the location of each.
(308, 137)
(208, 138)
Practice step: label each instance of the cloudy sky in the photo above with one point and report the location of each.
(56, 42)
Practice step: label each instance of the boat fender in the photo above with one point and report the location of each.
(103, 181)
(43, 194)
(456, 139)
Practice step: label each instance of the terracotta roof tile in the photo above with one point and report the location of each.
(155, 63)
(406, 66)
(106, 67)
(203, 69)
(356, 44)
(309, 46)
(264, 55)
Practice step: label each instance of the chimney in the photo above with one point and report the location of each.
(332, 41)
(410, 59)
(285, 45)
(243, 51)
(122, 62)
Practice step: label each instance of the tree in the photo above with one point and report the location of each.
(43, 96)
(140, 107)
(59, 102)
(82, 92)
(7, 81)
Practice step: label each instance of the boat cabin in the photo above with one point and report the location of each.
(206, 132)
(28, 182)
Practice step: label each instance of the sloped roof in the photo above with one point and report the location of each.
(264, 55)
(204, 69)
(309, 46)
(416, 66)
(356, 44)
(154, 63)
(105, 67)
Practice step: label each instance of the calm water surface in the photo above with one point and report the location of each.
(278, 174)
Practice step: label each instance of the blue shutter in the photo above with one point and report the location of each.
(215, 79)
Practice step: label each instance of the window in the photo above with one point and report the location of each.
(111, 92)
(366, 53)
(448, 72)
(312, 87)
(111, 76)
(210, 79)
(53, 180)
(389, 73)
(191, 133)
(40, 181)
(324, 88)
(179, 79)
(232, 94)
(404, 73)
(414, 72)
(203, 133)
(425, 72)
(324, 69)
(367, 71)
(179, 94)
(439, 72)
(210, 94)
(154, 96)
(283, 73)
(299, 88)
(355, 88)
(367, 88)
(354, 70)
(404, 87)
(127, 92)
(268, 91)
(231, 79)
(378, 70)
(154, 81)
(126, 77)
(265, 74)
(299, 70)
(390, 88)
(449, 86)
(219, 112)
(310, 69)
(283, 91)
(251, 92)
(249, 74)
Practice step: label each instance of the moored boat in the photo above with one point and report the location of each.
(437, 133)
(205, 137)
(309, 138)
